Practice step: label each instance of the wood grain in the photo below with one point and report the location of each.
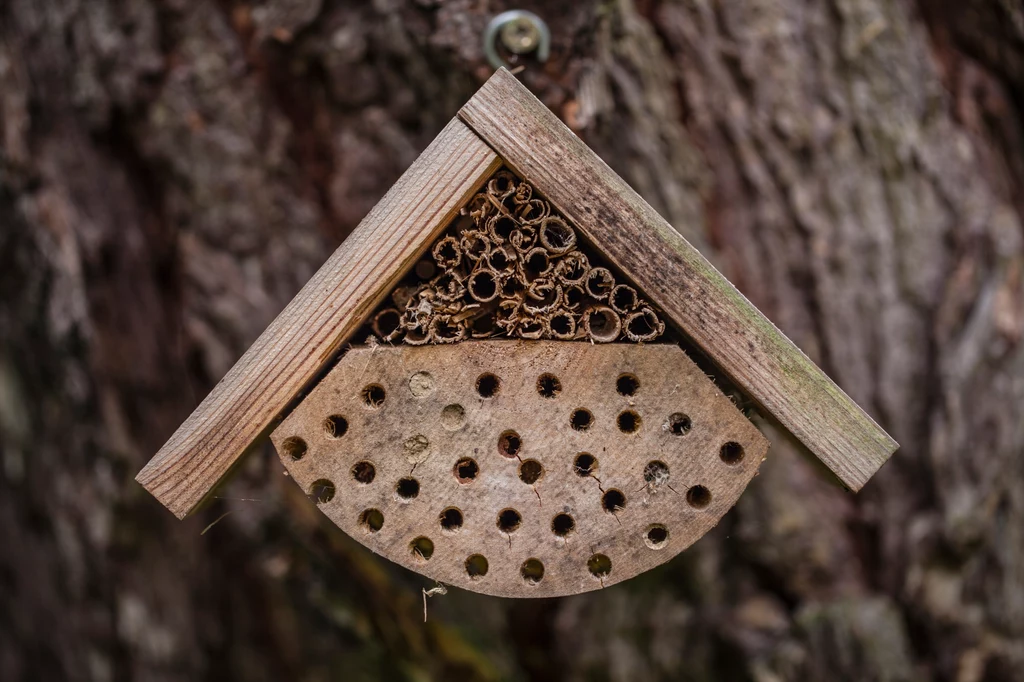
(395, 450)
(296, 346)
(704, 304)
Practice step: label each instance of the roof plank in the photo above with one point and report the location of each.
(298, 344)
(741, 341)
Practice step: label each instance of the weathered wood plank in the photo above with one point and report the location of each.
(723, 323)
(296, 346)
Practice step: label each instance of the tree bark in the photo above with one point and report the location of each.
(172, 171)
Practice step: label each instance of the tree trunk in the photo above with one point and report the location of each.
(172, 171)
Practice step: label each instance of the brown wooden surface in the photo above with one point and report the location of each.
(727, 327)
(429, 396)
(295, 347)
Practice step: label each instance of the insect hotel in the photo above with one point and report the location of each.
(514, 376)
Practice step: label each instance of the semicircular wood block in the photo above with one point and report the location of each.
(521, 468)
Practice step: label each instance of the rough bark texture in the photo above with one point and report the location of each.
(173, 171)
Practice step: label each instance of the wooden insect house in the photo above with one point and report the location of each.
(501, 379)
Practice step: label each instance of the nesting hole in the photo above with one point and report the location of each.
(509, 520)
(623, 298)
(628, 421)
(373, 395)
(599, 565)
(488, 385)
(627, 384)
(364, 472)
(656, 536)
(509, 444)
(581, 419)
(562, 325)
(294, 447)
(548, 386)
(322, 491)
(656, 473)
(483, 326)
(451, 519)
(422, 547)
(371, 520)
(613, 501)
(453, 417)
(536, 264)
(532, 571)
(388, 322)
(530, 471)
(483, 286)
(698, 497)
(679, 424)
(731, 453)
(408, 488)
(562, 525)
(585, 464)
(476, 566)
(335, 426)
(466, 470)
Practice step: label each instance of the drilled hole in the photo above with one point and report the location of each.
(322, 491)
(509, 520)
(371, 520)
(408, 488)
(451, 519)
(585, 464)
(466, 470)
(509, 443)
(476, 566)
(613, 501)
(294, 447)
(656, 473)
(562, 525)
(532, 571)
(335, 426)
(453, 417)
(488, 385)
(679, 424)
(599, 565)
(629, 421)
(530, 471)
(373, 395)
(731, 453)
(364, 472)
(627, 384)
(698, 497)
(421, 384)
(548, 385)
(422, 547)
(581, 419)
(656, 536)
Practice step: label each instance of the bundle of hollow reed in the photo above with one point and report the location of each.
(512, 267)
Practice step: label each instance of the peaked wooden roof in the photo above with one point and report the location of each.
(505, 123)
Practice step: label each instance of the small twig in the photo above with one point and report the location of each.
(440, 589)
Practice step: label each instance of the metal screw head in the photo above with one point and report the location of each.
(520, 32)
(520, 35)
